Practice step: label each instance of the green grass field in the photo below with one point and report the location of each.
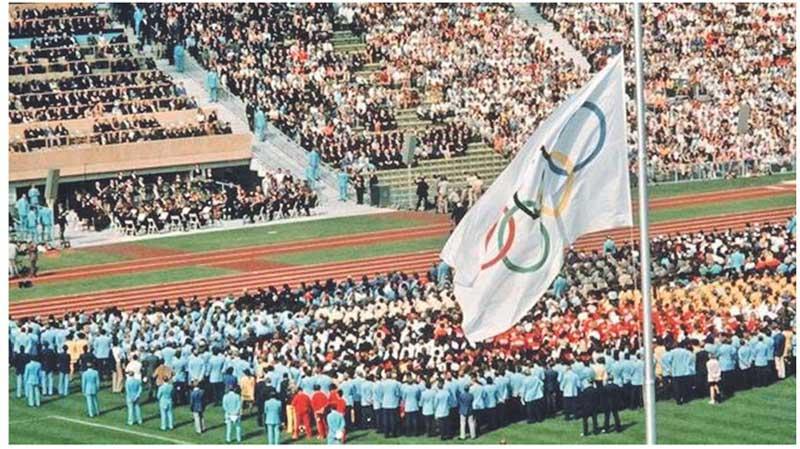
(115, 282)
(283, 233)
(358, 252)
(74, 257)
(686, 188)
(762, 416)
(723, 207)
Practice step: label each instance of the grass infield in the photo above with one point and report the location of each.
(760, 416)
(119, 281)
(358, 252)
(717, 185)
(288, 232)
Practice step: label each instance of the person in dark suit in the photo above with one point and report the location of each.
(260, 398)
(63, 364)
(20, 360)
(551, 390)
(588, 406)
(49, 366)
(422, 194)
(701, 372)
(374, 191)
(611, 402)
(360, 187)
(458, 212)
(197, 405)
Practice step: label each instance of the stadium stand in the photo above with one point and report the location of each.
(726, 59)
(84, 99)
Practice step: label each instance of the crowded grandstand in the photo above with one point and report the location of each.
(172, 134)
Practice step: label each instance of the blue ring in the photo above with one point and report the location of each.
(600, 142)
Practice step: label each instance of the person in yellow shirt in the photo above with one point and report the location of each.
(600, 374)
(247, 385)
(75, 350)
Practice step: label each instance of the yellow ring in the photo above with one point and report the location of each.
(568, 165)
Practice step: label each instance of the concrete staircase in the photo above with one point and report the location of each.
(193, 79)
(478, 159)
(529, 13)
(277, 151)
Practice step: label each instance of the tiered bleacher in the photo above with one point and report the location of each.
(95, 102)
(719, 78)
(323, 86)
(85, 100)
(331, 77)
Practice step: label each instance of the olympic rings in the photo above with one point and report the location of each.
(504, 250)
(508, 217)
(600, 142)
(567, 168)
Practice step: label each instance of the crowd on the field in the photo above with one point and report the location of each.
(190, 200)
(704, 62)
(387, 351)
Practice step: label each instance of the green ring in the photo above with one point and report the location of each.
(501, 236)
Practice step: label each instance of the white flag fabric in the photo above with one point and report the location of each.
(571, 178)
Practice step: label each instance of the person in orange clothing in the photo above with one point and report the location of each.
(247, 385)
(301, 403)
(319, 402)
(336, 402)
(75, 350)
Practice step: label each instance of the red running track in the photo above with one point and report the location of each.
(419, 262)
(235, 255)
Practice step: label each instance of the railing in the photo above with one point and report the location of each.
(86, 50)
(66, 66)
(146, 133)
(80, 110)
(719, 170)
(126, 88)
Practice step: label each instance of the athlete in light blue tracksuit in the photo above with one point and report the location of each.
(342, 178)
(133, 391)
(90, 385)
(164, 397)
(232, 407)
(212, 84)
(260, 124)
(179, 55)
(33, 373)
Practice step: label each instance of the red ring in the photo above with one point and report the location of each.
(506, 246)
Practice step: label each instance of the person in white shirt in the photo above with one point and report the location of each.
(714, 376)
(134, 366)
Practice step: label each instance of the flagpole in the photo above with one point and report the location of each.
(649, 390)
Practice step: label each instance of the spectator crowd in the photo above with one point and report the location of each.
(709, 69)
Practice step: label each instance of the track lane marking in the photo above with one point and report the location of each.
(118, 429)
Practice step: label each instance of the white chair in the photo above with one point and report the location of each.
(175, 223)
(151, 226)
(130, 228)
(194, 221)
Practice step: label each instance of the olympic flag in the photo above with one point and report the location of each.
(571, 178)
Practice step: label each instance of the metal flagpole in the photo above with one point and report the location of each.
(644, 239)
